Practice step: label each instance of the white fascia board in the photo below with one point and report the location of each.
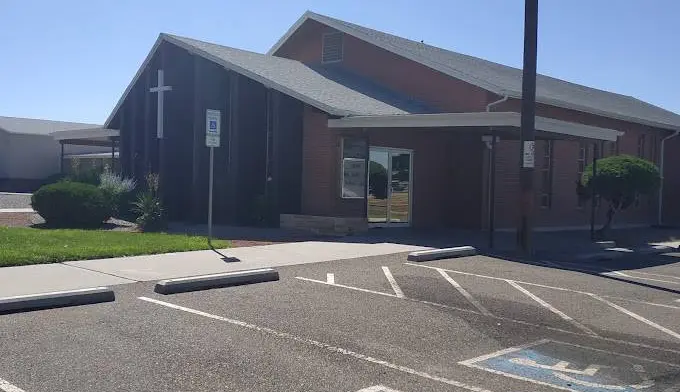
(88, 133)
(471, 119)
(474, 119)
(574, 129)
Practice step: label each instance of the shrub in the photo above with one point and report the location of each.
(87, 175)
(119, 192)
(71, 204)
(149, 208)
(619, 181)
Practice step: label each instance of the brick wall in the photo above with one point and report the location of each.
(321, 184)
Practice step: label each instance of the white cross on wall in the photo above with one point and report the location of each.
(160, 89)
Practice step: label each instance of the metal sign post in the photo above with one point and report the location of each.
(213, 120)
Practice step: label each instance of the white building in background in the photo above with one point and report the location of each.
(33, 149)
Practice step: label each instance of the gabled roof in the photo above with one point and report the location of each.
(33, 126)
(501, 79)
(335, 92)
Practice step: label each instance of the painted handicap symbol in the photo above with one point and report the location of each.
(579, 369)
(562, 371)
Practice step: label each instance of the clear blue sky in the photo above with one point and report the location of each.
(71, 59)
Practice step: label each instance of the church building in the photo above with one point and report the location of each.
(340, 127)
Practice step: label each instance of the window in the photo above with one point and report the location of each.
(641, 146)
(353, 168)
(331, 50)
(546, 169)
(582, 162)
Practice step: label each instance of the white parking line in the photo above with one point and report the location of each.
(7, 387)
(465, 294)
(626, 275)
(637, 317)
(310, 342)
(653, 274)
(378, 388)
(545, 286)
(552, 308)
(492, 316)
(393, 283)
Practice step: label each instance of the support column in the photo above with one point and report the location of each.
(592, 192)
(492, 190)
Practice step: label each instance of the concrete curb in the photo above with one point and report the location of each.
(605, 244)
(444, 253)
(56, 299)
(213, 281)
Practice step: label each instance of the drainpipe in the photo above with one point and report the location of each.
(491, 188)
(661, 169)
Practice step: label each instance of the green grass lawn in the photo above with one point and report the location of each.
(21, 245)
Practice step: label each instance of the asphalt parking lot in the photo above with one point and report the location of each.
(369, 324)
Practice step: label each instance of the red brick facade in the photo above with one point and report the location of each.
(450, 168)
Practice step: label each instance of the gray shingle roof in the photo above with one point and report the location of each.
(505, 80)
(33, 126)
(338, 93)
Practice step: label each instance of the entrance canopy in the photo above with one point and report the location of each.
(88, 137)
(547, 128)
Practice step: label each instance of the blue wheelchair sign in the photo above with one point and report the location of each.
(560, 365)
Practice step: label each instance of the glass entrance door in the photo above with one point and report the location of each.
(389, 186)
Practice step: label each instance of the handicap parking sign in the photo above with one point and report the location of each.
(577, 368)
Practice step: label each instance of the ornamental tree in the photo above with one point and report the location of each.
(619, 181)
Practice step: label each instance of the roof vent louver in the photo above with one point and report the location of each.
(332, 47)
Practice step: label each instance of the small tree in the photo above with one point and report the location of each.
(619, 181)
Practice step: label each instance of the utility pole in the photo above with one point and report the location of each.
(527, 138)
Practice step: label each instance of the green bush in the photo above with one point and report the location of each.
(149, 208)
(71, 204)
(119, 193)
(619, 181)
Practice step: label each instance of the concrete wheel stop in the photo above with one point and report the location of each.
(57, 299)
(214, 281)
(444, 253)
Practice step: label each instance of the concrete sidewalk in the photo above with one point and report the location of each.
(34, 279)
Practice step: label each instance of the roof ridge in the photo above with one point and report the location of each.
(180, 37)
